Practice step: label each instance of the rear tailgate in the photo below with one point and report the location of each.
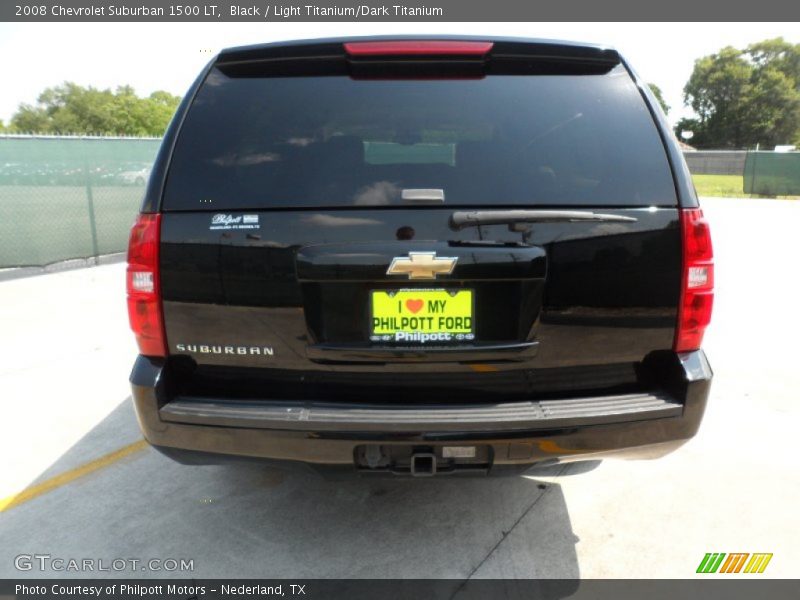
(311, 245)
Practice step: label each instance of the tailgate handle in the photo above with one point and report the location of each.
(476, 218)
(422, 195)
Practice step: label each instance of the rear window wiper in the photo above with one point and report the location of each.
(476, 218)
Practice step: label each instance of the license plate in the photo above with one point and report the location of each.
(415, 316)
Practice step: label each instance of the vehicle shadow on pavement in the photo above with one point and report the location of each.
(246, 520)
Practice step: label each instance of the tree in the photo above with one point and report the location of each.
(660, 97)
(745, 97)
(71, 108)
(779, 54)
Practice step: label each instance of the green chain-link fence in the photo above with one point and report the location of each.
(69, 197)
(63, 198)
(772, 173)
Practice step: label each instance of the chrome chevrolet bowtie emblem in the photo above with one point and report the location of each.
(422, 265)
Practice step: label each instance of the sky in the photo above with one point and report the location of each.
(168, 56)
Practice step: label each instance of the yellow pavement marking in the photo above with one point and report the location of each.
(64, 478)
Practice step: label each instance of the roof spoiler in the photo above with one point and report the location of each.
(417, 57)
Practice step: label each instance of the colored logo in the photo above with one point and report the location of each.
(737, 562)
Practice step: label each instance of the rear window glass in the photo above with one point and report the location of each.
(250, 142)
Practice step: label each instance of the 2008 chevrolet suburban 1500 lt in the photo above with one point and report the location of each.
(417, 256)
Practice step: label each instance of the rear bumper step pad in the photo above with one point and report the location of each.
(543, 414)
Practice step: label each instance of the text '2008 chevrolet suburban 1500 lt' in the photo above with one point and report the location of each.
(419, 257)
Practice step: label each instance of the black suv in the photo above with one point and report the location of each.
(419, 256)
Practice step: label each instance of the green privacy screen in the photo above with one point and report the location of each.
(69, 197)
(772, 173)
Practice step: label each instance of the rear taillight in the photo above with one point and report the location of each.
(144, 293)
(697, 281)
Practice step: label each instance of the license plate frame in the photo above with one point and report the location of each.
(430, 324)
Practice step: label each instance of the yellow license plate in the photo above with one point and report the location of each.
(417, 316)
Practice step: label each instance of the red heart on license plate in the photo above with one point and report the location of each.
(414, 305)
